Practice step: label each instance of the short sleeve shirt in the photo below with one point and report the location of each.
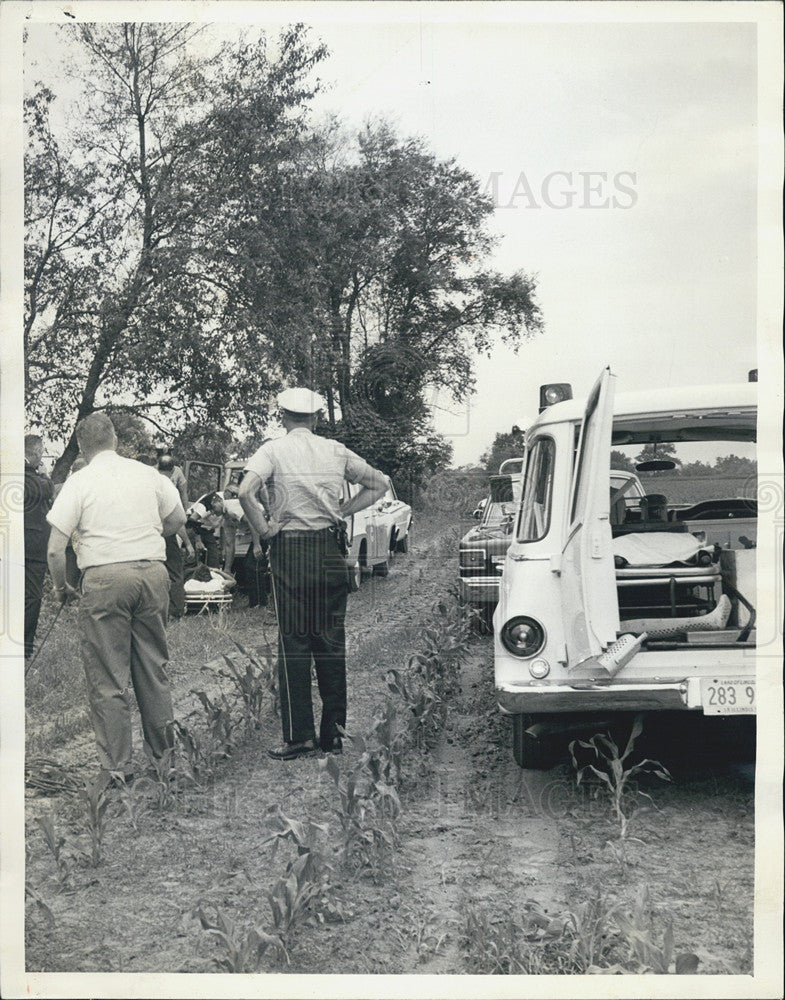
(117, 505)
(304, 474)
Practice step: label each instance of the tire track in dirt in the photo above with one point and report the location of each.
(480, 837)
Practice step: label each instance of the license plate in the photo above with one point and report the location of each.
(727, 697)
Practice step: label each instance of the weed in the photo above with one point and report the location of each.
(609, 765)
(243, 950)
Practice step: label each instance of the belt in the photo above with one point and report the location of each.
(304, 532)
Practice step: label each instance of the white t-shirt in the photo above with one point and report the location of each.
(117, 506)
(304, 474)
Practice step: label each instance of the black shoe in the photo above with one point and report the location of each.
(335, 745)
(291, 751)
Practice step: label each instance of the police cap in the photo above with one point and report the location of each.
(300, 401)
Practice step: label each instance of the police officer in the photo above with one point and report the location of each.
(291, 496)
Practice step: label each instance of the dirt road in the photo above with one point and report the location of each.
(490, 859)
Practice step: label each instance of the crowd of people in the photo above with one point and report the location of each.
(117, 539)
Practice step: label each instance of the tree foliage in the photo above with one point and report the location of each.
(193, 243)
(129, 282)
(504, 446)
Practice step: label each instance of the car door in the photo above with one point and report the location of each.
(397, 511)
(588, 580)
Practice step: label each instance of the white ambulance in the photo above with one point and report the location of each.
(635, 594)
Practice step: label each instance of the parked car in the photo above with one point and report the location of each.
(617, 601)
(482, 549)
(376, 534)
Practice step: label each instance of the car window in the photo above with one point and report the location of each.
(537, 491)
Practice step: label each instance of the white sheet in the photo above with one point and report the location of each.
(656, 548)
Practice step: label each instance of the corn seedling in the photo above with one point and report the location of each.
(368, 809)
(427, 712)
(645, 955)
(94, 797)
(248, 681)
(56, 844)
(265, 674)
(611, 767)
(33, 896)
(220, 723)
(243, 950)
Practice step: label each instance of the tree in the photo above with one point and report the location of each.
(130, 288)
(383, 295)
(658, 452)
(620, 461)
(504, 446)
(133, 435)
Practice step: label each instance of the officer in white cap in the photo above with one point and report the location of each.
(290, 494)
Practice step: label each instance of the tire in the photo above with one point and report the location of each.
(357, 578)
(402, 545)
(529, 752)
(362, 560)
(382, 569)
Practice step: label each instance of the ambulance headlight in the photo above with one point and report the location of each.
(522, 636)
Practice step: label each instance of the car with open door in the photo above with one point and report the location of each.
(635, 595)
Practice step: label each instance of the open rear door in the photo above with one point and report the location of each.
(589, 603)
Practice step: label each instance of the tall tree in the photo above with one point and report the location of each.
(504, 446)
(130, 287)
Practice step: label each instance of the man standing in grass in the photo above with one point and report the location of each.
(122, 510)
(291, 495)
(38, 495)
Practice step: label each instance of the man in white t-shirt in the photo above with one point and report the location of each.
(122, 510)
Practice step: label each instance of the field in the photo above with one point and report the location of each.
(422, 849)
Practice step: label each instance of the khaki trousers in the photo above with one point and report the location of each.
(121, 615)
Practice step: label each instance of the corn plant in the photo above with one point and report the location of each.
(94, 797)
(248, 681)
(368, 810)
(55, 843)
(33, 896)
(637, 926)
(243, 950)
(162, 781)
(195, 754)
(426, 710)
(220, 723)
(265, 673)
(611, 767)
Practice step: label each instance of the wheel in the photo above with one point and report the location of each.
(382, 569)
(362, 561)
(402, 544)
(530, 752)
(357, 577)
(392, 548)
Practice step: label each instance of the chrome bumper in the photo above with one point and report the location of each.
(601, 697)
(479, 589)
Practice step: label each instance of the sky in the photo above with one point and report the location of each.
(622, 157)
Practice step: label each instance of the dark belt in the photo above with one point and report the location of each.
(305, 532)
